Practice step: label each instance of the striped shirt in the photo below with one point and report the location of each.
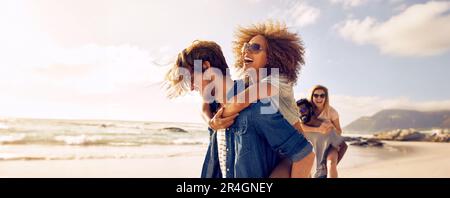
(222, 151)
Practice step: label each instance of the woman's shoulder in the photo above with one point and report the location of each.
(276, 77)
(279, 81)
(331, 109)
(332, 112)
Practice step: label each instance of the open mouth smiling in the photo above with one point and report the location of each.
(248, 60)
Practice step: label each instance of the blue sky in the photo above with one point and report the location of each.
(96, 59)
(360, 70)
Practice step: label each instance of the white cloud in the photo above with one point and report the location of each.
(253, 1)
(96, 60)
(400, 8)
(348, 3)
(41, 78)
(420, 30)
(395, 1)
(89, 82)
(296, 13)
(89, 68)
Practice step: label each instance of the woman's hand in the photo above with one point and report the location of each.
(218, 122)
(326, 127)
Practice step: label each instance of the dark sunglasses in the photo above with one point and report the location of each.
(252, 48)
(321, 95)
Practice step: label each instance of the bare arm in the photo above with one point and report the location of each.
(216, 121)
(337, 125)
(206, 112)
(323, 128)
(309, 129)
(244, 99)
(298, 126)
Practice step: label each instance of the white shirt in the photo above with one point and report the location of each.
(285, 101)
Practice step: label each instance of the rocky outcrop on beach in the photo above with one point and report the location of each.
(413, 135)
(173, 129)
(364, 142)
(399, 135)
(368, 142)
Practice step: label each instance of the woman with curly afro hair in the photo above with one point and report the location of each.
(271, 57)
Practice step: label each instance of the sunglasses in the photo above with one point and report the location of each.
(252, 48)
(319, 95)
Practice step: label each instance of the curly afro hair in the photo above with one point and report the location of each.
(285, 49)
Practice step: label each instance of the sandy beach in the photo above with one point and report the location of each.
(171, 167)
(397, 159)
(413, 160)
(162, 161)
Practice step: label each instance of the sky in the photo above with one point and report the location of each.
(105, 59)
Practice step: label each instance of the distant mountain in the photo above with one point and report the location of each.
(399, 119)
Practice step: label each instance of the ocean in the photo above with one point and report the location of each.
(99, 133)
(46, 139)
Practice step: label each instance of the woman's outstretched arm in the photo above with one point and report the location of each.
(249, 95)
(323, 128)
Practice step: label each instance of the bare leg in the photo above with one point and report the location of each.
(302, 168)
(332, 159)
(283, 169)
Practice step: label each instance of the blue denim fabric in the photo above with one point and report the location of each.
(258, 141)
(211, 166)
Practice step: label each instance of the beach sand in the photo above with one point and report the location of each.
(397, 159)
(168, 161)
(171, 167)
(413, 160)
